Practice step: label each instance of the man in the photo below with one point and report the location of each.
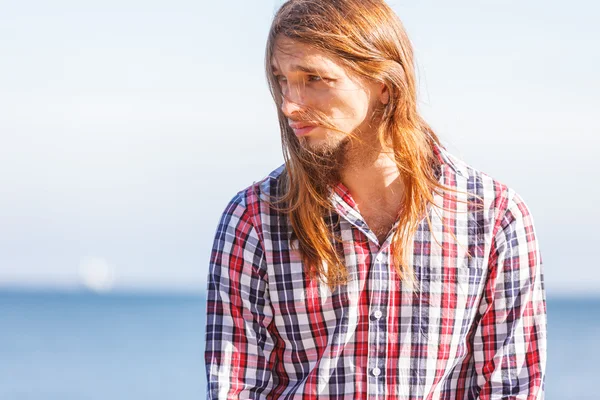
(373, 264)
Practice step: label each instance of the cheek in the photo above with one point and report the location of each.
(355, 109)
(335, 108)
(347, 109)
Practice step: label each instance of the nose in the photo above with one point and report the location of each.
(289, 107)
(292, 100)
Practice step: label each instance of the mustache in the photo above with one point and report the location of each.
(311, 117)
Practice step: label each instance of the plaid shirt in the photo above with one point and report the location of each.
(474, 327)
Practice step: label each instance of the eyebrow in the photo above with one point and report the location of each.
(297, 67)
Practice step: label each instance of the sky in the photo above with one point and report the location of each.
(128, 125)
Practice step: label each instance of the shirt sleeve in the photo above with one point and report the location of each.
(510, 341)
(239, 345)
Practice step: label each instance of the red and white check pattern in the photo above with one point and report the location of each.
(474, 327)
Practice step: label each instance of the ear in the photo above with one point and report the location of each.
(384, 93)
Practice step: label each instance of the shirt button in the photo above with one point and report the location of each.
(376, 371)
(377, 314)
(379, 257)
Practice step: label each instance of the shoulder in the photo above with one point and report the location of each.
(495, 197)
(249, 203)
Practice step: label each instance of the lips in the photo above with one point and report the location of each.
(302, 128)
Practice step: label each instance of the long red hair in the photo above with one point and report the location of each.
(369, 39)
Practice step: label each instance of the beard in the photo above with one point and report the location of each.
(323, 162)
(326, 161)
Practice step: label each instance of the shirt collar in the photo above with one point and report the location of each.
(446, 158)
(345, 205)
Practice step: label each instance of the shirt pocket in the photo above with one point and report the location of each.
(445, 303)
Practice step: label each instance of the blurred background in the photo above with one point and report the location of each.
(126, 126)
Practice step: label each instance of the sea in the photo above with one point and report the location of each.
(88, 346)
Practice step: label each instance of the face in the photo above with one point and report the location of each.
(313, 80)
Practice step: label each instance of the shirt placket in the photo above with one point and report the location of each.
(378, 311)
(378, 283)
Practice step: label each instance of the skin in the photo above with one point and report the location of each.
(313, 79)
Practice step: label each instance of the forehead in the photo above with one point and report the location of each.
(289, 54)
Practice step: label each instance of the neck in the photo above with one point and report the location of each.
(373, 179)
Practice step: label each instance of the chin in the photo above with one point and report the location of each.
(323, 145)
(315, 143)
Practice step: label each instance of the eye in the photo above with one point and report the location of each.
(314, 78)
(280, 79)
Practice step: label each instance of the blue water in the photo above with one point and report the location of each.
(85, 346)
